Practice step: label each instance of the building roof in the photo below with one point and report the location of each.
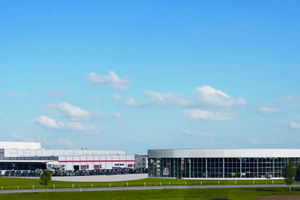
(222, 153)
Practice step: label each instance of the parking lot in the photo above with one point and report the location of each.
(63, 173)
(101, 178)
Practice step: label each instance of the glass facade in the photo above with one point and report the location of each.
(219, 167)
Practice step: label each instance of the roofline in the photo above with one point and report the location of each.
(223, 153)
(219, 149)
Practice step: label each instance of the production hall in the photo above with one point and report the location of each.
(221, 163)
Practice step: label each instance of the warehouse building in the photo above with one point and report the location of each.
(31, 156)
(221, 163)
(141, 161)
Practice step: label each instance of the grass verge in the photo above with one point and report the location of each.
(22, 183)
(174, 194)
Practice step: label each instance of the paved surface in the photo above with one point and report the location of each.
(143, 188)
(100, 178)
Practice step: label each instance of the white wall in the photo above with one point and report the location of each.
(105, 161)
(57, 152)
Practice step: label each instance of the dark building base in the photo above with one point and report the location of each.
(22, 165)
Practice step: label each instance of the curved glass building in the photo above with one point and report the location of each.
(220, 163)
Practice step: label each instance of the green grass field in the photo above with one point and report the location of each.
(174, 194)
(21, 183)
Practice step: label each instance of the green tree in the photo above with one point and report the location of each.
(45, 177)
(298, 173)
(289, 174)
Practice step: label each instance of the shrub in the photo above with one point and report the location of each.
(45, 177)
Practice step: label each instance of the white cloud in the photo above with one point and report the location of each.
(78, 126)
(50, 123)
(21, 138)
(57, 142)
(210, 96)
(198, 133)
(202, 96)
(111, 80)
(75, 113)
(295, 125)
(197, 114)
(131, 101)
(116, 97)
(240, 102)
(18, 94)
(285, 102)
(71, 111)
(269, 110)
(156, 98)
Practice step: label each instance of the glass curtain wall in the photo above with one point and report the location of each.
(219, 167)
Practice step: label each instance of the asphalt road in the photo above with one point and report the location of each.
(100, 178)
(141, 188)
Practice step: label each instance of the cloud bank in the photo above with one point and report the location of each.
(70, 111)
(57, 142)
(50, 123)
(201, 96)
(269, 110)
(295, 125)
(197, 114)
(112, 80)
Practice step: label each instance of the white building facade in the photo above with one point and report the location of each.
(30, 155)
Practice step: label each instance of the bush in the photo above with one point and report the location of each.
(45, 177)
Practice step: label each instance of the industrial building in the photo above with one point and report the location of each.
(141, 161)
(31, 156)
(221, 163)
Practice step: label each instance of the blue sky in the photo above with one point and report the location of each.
(135, 75)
